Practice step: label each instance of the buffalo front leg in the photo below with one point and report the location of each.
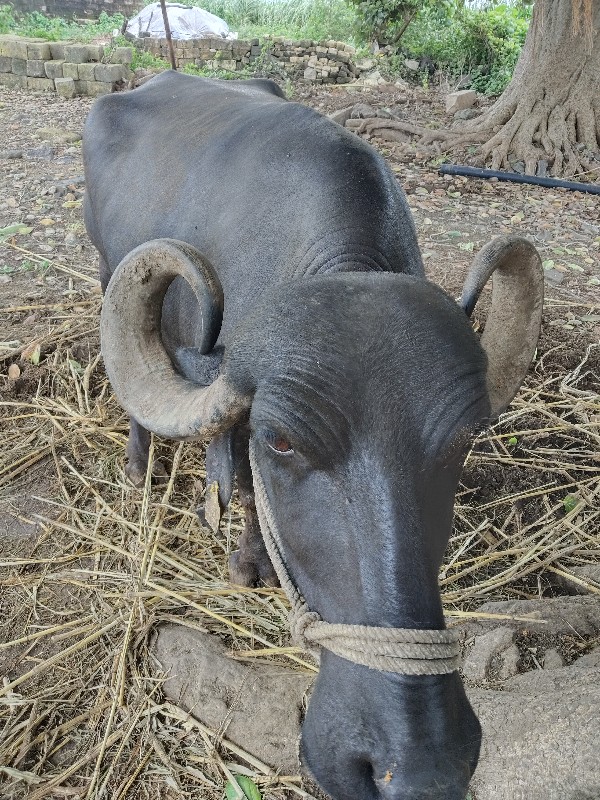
(250, 565)
(138, 451)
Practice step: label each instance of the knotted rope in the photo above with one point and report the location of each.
(406, 651)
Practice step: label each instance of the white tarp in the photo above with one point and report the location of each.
(185, 23)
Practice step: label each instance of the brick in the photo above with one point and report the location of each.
(35, 68)
(86, 71)
(19, 48)
(76, 53)
(122, 55)
(71, 70)
(53, 69)
(96, 52)
(108, 73)
(65, 87)
(40, 84)
(57, 50)
(5, 64)
(12, 81)
(19, 66)
(38, 51)
(94, 88)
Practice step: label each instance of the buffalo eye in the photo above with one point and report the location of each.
(279, 444)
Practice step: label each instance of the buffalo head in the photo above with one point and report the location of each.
(363, 392)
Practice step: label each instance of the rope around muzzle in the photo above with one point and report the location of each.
(405, 651)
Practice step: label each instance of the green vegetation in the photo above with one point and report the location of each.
(40, 26)
(483, 42)
(296, 19)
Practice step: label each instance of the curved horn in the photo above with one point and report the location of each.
(513, 324)
(137, 364)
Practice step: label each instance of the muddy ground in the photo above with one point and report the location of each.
(49, 300)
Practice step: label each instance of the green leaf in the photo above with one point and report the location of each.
(513, 441)
(548, 264)
(576, 267)
(466, 246)
(248, 787)
(569, 503)
(12, 230)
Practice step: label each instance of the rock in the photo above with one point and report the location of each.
(554, 277)
(553, 659)
(65, 87)
(540, 732)
(540, 737)
(374, 79)
(363, 111)
(411, 64)
(457, 101)
(588, 573)
(5, 278)
(71, 239)
(58, 135)
(257, 707)
(467, 113)
(341, 116)
(310, 74)
(487, 653)
(365, 64)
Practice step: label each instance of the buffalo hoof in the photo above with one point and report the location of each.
(136, 472)
(243, 572)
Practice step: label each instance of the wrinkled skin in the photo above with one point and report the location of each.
(366, 385)
(377, 446)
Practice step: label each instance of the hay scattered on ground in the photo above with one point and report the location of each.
(82, 713)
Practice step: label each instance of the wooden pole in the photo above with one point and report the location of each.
(163, 8)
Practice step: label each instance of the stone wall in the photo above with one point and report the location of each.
(316, 62)
(62, 67)
(78, 8)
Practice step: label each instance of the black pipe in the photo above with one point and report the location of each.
(515, 177)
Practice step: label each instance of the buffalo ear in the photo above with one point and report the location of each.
(513, 324)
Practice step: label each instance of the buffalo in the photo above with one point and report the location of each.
(264, 288)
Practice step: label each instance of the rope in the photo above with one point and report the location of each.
(406, 651)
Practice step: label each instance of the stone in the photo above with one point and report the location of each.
(411, 64)
(342, 115)
(35, 69)
(38, 51)
(257, 707)
(96, 52)
(65, 87)
(12, 81)
(76, 53)
(553, 659)
(17, 48)
(467, 113)
(310, 74)
(313, 61)
(53, 69)
(585, 579)
(93, 88)
(457, 101)
(478, 663)
(5, 64)
(19, 66)
(86, 71)
(363, 111)
(40, 84)
(365, 64)
(108, 73)
(374, 79)
(57, 50)
(71, 70)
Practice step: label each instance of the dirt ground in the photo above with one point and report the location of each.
(88, 565)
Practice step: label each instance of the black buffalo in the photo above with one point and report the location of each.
(276, 294)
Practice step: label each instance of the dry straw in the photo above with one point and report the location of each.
(82, 713)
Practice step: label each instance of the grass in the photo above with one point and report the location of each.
(82, 709)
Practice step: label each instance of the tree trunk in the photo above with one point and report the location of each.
(550, 111)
